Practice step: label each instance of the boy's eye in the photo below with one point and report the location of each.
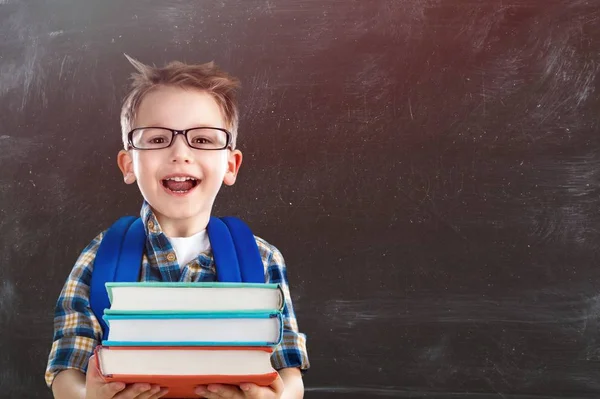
(157, 140)
(201, 140)
(207, 138)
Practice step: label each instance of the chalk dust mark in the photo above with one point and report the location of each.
(8, 297)
(401, 392)
(535, 308)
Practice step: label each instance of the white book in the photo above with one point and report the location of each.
(204, 329)
(169, 297)
(182, 369)
(176, 362)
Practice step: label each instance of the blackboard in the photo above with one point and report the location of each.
(429, 169)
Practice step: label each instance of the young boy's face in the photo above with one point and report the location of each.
(180, 213)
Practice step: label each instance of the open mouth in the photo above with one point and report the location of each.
(180, 184)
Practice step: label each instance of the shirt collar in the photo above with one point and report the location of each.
(159, 241)
(151, 225)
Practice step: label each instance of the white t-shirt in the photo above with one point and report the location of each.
(188, 248)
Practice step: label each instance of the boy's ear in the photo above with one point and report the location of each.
(126, 165)
(233, 166)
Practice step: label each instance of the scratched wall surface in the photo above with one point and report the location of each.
(429, 169)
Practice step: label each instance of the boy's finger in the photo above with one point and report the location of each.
(95, 380)
(149, 393)
(205, 394)
(92, 372)
(111, 389)
(159, 394)
(248, 389)
(133, 391)
(221, 391)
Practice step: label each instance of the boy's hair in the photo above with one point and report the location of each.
(206, 77)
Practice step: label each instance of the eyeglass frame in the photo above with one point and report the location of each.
(175, 132)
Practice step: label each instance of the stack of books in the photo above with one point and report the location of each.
(180, 335)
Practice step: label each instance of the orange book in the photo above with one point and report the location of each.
(181, 369)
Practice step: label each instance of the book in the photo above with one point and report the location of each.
(155, 297)
(203, 329)
(182, 369)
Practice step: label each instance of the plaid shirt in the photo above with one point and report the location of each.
(77, 331)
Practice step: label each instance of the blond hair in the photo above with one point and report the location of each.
(206, 77)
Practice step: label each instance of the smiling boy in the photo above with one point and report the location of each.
(179, 128)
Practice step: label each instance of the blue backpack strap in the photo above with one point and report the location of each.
(110, 264)
(223, 251)
(250, 261)
(130, 260)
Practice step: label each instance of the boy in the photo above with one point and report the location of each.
(179, 173)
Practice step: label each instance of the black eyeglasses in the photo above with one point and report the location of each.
(201, 138)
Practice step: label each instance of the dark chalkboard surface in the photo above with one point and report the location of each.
(430, 170)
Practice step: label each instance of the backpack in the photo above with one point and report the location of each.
(119, 257)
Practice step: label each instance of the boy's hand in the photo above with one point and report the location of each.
(97, 388)
(244, 391)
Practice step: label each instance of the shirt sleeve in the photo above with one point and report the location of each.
(76, 329)
(291, 352)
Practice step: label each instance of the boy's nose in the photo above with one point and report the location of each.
(180, 150)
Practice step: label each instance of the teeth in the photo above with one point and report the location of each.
(180, 178)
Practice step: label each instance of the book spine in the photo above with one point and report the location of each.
(194, 315)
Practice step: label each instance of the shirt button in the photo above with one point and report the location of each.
(151, 226)
(171, 257)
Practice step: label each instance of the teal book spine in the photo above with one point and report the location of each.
(207, 315)
(192, 285)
